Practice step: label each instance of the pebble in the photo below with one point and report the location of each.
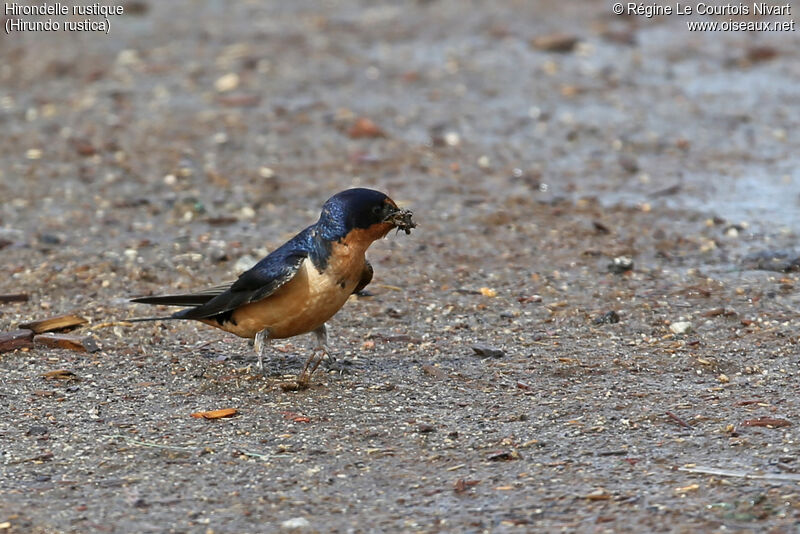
(485, 351)
(620, 265)
(628, 163)
(37, 430)
(128, 57)
(555, 42)
(488, 292)
(228, 82)
(773, 260)
(49, 239)
(504, 456)
(365, 128)
(610, 317)
(247, 212)
(452, 139)
(296, 523)
(244, 263)
(681, 327)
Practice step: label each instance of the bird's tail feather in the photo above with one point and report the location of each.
(145, 319)
(176, 300)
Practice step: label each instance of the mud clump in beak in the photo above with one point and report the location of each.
(402, 220)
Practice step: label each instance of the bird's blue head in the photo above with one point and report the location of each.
(370, 212)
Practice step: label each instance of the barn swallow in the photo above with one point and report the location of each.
(302, 283)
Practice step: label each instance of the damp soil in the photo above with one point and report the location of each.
(594, 326)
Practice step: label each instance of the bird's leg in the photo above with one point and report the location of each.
(259, 344)
(341, 366)
(321, 335)
(308, 370)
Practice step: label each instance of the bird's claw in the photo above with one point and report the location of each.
(339, 365)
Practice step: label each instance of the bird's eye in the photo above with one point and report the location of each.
(376, 210)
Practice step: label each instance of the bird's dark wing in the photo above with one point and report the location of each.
(261, 281)
(366, 277)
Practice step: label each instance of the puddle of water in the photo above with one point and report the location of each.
(766, 201)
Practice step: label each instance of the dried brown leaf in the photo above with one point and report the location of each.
(60, 374)
(216, 414)
(64, 341)
(16, 339)
(60, 322)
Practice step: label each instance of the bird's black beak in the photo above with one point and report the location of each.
(401, 219)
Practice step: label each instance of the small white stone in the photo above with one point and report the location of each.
(244, 263)
(128, 57)
(483, 162)
(170, 179)
(372, 73)
(296, 523)
(681, 327)
(228, 82)
(266, 172)
(452, 139)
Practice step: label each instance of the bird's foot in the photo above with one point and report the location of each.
(294, 385)
(340, 366)
(304, 379)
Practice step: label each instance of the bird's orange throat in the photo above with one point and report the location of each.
(361, 238)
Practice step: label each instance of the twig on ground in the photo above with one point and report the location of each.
(678, 420)
(109, 323)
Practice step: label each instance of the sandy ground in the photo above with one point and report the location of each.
(197, 136)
